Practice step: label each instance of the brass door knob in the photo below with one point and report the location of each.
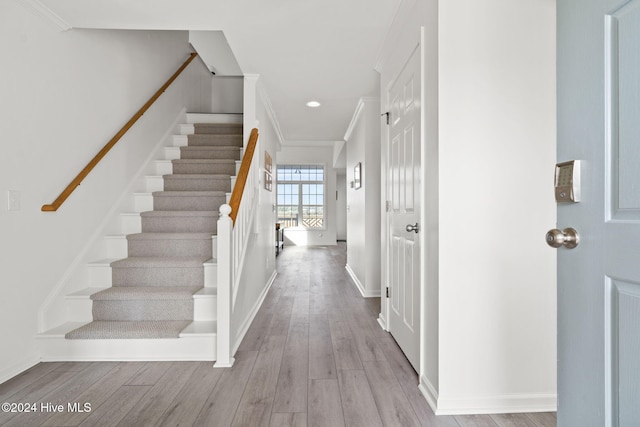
(568, 238)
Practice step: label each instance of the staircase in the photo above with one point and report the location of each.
(156, 297)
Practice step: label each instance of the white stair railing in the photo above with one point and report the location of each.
(235, 226)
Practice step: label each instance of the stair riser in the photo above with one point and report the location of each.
(170, 248)
(133, 310)
(187, 203)
(186, 348)
(204, 168)
(157, 276)
(182, 184)
(209, 153)
(201, 140)
(178, 224)
(205, 309)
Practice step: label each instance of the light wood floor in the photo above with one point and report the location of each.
(314, 356)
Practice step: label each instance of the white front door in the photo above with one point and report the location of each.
(599, 281)
(403, 189)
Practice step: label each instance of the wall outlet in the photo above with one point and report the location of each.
(13, 200)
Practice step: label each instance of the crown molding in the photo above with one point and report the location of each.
(42, 10)
(356, 115)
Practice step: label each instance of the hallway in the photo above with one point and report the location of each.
(314, 356)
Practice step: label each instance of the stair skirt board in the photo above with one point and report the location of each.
(157, 307)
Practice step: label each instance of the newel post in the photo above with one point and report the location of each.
(224, 357)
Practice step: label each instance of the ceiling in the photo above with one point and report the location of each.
(302, 49)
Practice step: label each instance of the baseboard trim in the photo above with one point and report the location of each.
(360, 286)
(498, 404)
(429, 392)
(382, 322)
(252, 314)
(17, 368)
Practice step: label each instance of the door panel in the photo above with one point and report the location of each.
(403, 264)
(599, 281)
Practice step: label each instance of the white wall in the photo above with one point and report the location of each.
(489, 299)
(64, 95)
(497, 123)
(341, 205)
(313, 155)
(260, 261)
(213, 48)
(227, 95)
(363, 212)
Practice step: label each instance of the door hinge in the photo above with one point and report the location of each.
(388, 114)
(387, 292)
(388, 206)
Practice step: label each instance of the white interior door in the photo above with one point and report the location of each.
(599, 281)
(403, 189)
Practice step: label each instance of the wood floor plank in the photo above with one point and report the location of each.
(513, 420)
(475, 421)
(185, 408)
(97, 394)
(280, 321)
(358, 404)
(322, 364)
(291, 391)
(298, 419)
(345, 350)
(220, 406)
(390, 399)
(408, 380)
(25, 379)
(35, 393)
(67, 393)
(152, 405)
(255, 407)
(325, 407)
(150, 373)
(116, 407)
(544, 419)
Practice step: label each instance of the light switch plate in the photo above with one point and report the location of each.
(13, 200)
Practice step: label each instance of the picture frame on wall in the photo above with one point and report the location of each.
(357, 175)
(268, 168)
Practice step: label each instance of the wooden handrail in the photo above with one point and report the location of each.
(84, 172)
(243, 174)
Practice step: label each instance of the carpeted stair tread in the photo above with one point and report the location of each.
(146, 262)
(152, 329)
(197, 182)
(211, 140)
(206, 176)
(204, 166)
(146, 292)
(162, 244)
(185, 193)
(180, 221)
(218, 128)
(169, 236)
(222, 152)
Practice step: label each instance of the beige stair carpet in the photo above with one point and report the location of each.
(152, 290)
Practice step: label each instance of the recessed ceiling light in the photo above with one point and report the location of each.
(313, 104)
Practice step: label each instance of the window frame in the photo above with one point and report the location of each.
(301, 205)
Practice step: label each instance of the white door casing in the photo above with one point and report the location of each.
(599, 281)
(404, 197)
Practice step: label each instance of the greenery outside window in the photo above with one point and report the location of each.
(300, 195)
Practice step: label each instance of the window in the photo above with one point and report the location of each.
(300, 193)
